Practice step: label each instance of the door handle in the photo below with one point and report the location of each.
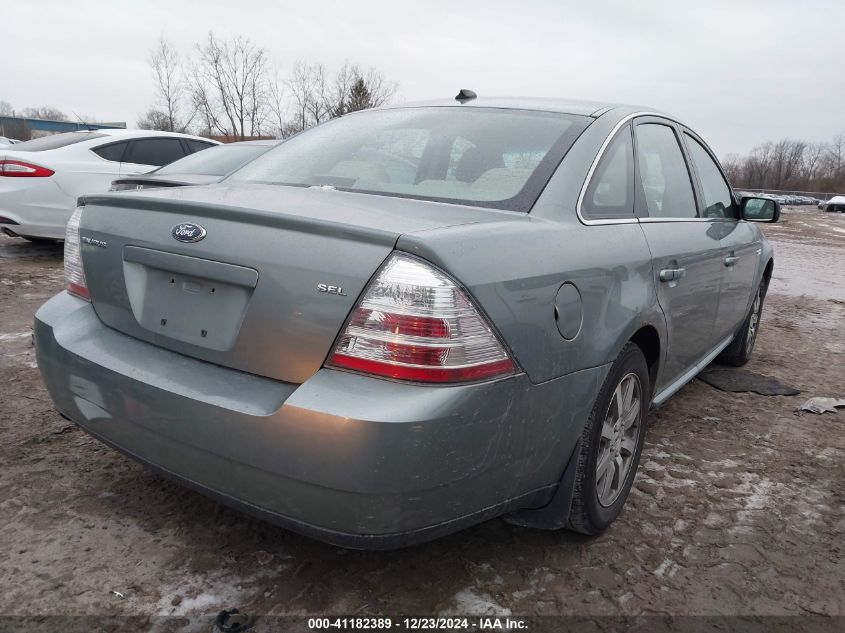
(671, 274)
(730, 260)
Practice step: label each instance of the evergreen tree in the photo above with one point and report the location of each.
(359, 97)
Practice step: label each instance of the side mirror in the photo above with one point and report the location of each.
(760, 209)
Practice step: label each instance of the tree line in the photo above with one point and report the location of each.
(789, 165)
(229, 87)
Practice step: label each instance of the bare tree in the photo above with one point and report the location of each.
(835, 156)
(48, 113)
(811, 162)
(734, 166)
(229, 86)
(154, 119)
(786, 159)
(6, 109)
(791, 165)
(226, 88)
(170, 91)
(277, 103)
(355, 90)
(319, 103)
(311, 95)
(381, 90)
(340, 94)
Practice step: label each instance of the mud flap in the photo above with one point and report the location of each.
(555, 514)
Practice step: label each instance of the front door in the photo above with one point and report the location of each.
(740, 240)
(686, 250)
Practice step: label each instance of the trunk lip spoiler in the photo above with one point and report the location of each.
(273, 219)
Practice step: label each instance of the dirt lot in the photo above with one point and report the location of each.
(738, 509)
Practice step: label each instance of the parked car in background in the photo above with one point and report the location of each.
(41, 179)
(201, 168)
(6, 142)
(834, 205)
(408, 320)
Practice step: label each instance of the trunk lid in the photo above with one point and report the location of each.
(247, 294)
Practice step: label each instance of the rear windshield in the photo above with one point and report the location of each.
(55, 141)
(478, 156)
(218, 160)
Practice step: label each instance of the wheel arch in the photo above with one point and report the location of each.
(648, 332)
(767, 271)
(647, 338)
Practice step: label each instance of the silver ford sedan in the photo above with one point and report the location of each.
(409, 320)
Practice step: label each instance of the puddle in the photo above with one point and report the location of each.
(802, 269)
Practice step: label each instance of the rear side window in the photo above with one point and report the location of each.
(112, 151)
(610, 193)
(197, 146)
(718, 201)
(154, 151)
(665, 180)
(55, 141)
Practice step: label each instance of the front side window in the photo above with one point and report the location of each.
(664, 177)
(468, 155)
(154, 151)
(610, 193)
(718, 201)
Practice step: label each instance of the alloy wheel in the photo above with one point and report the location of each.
(619, 437)
(753, 322)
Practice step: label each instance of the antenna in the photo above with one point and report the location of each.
(465, 95)
(87, 126)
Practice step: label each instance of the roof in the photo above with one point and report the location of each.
(138, 133)
(565, 106)
(259, 143)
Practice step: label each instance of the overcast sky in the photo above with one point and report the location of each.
(739, 72)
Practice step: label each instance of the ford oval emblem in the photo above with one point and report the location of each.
(188, 232)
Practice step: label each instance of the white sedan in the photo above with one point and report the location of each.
(40, 180)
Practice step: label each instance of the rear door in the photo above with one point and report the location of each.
(741, 241)
(686, 250)
(145, 154)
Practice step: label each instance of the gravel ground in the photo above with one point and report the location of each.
(737, 508)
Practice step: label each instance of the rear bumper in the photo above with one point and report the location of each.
(348, 459)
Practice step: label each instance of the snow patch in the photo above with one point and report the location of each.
(15, 336)
(470, 602)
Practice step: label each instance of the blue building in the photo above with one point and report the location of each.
(23, 128)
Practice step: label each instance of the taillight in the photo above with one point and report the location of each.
(74, 273)
(416, 323)
(20, 169)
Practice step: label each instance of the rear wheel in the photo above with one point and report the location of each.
(611, 444)
(739, 351)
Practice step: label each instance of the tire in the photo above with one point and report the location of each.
(738, 353)
(596, 502)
